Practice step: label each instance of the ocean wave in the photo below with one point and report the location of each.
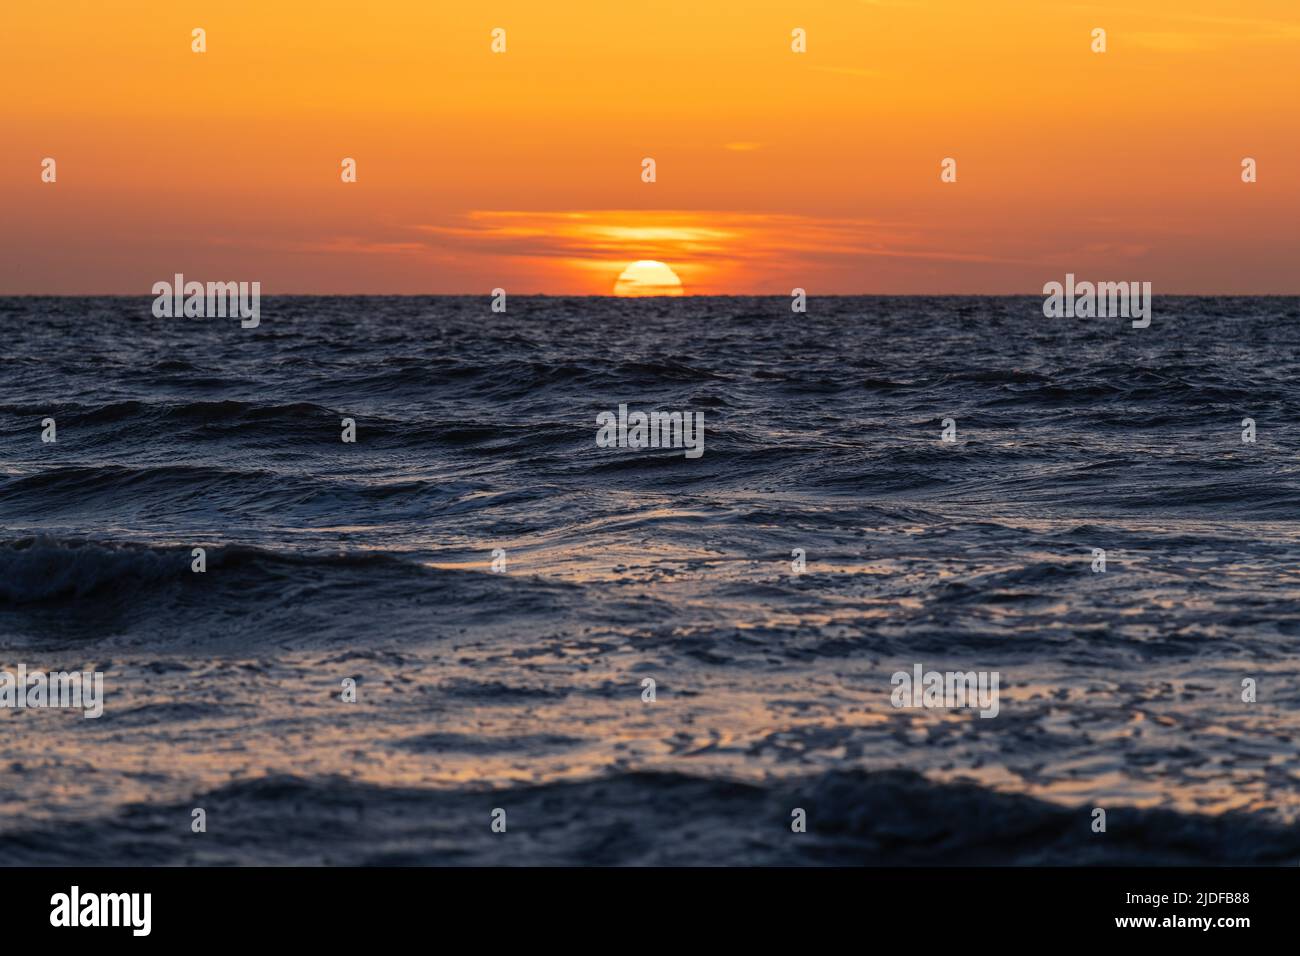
(34, 570)
(891, 818)
(66, 571)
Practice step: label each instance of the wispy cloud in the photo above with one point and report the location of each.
(1239, 28)
(706, 247)
(846, 70)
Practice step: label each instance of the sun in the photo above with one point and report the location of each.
(648, 277)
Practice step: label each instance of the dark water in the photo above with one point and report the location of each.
(523, 690)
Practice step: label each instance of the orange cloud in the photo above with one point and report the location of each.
(712, 251)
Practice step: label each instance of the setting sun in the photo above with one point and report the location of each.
(648, 277)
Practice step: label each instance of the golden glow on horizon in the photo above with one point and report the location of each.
(647, 277)
(775, 169)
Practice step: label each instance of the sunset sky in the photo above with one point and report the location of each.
(522, 170)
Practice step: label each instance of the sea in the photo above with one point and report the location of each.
(476, 635)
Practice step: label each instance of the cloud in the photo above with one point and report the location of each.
(1226, 27)
(695, 236)
(710, 250)
(846, 70)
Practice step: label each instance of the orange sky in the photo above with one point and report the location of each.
(774, 169)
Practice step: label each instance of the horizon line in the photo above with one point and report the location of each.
(711, 295)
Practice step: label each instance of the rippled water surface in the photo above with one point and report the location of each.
(476, 431)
